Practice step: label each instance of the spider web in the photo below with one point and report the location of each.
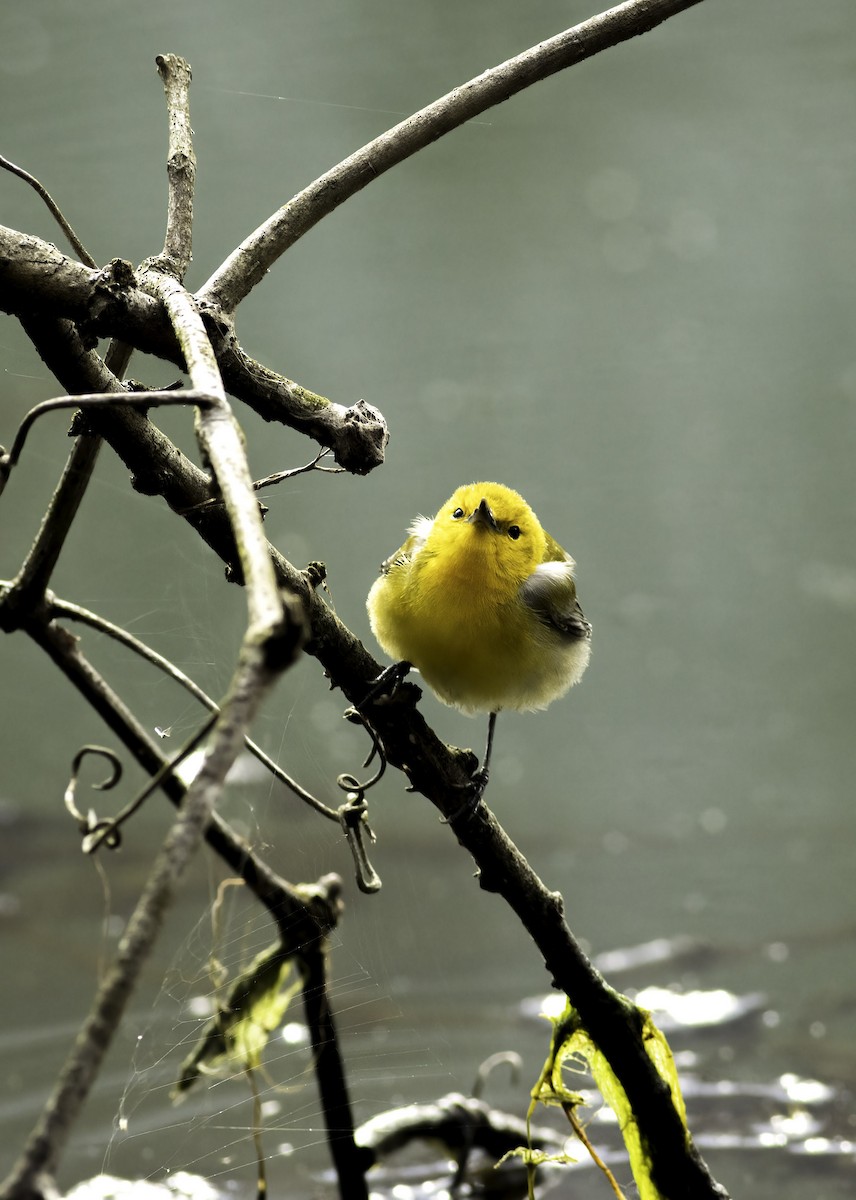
(211, 1131)
(215, 932)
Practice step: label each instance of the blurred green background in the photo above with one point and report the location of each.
(627, 293)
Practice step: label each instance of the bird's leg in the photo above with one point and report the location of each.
(480, 777)
(478, 781)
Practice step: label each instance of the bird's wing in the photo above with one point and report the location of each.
(404, 555)
(550, 592)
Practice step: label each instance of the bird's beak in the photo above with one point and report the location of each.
(483, 516)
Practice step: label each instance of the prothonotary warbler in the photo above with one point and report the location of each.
(482, 601)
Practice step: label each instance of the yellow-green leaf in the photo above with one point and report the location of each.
(234, 1039)
(571, 1041)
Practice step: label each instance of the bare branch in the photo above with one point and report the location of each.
(249, 263)
(332, 1084)
(357, 435)
(38, 567)
(181, 162)
(108, 303)
(222, 444)
(92, 400)
(76, 244)
(65, 608)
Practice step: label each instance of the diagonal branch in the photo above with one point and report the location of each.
(38, 567)
(439, 772)
(55, 210)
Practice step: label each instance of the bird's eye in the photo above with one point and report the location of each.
(514, 532)
(457, 514)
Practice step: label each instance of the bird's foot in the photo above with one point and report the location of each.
(478, 779)
(475, 789)
(385, 686)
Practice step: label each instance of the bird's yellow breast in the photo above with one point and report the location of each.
(451, 605)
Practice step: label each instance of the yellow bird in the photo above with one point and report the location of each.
(482, 601)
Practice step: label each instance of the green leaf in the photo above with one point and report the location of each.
(572, 1042)
(234, 1039)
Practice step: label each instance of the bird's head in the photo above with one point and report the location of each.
(492, 523)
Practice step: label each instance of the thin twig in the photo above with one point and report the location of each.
(32, 580)
(293, 472)
(260, 485)
(140, 400)
(78, 246)
(579, 1130)
(65, 608)
(87, 824)
(108, 829)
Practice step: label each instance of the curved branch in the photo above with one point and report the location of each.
(91, 400)
(64, 608)
(249, 263)
(55, 210)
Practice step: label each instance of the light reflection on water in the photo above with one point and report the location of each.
(790, 1116)
(732, 1110)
